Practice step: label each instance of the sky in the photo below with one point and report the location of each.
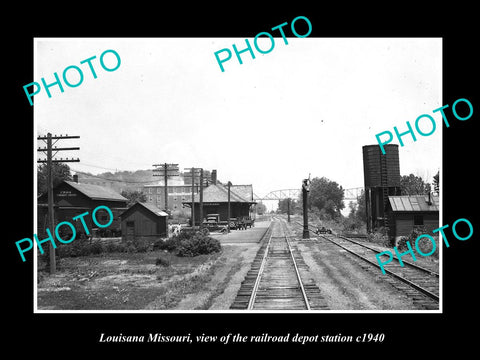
(304, 108)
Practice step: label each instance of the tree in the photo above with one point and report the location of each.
(414, 185)
(436, 183)
(283, 206)
(134, 196)
(261, 208)
(361, 213)
(357, 216)
(60, 172)
(326, 196)
(353, 209)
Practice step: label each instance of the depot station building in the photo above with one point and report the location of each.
(215, 201)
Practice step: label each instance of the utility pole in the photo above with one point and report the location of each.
(48, 150)
(194, 172)
(201, 198)
(229, 184)
(167, 170)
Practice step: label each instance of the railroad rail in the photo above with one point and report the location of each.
(274, 281)
(423, 280)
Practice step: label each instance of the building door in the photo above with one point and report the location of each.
(130, 230)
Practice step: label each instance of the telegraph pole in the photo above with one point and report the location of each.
(49, 161)
(229, 184)
(201, 198)
(195, 172)
(167, 171)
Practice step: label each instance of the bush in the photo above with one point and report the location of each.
(424, 244)
(85, 247)
(350, 223)
(138, 246)
(142, 245)
(170, 244)
(198, 244)
(79, 247)
(416, 232)
(112, 247)
(95, 248)
(379, 237)
(163, 262)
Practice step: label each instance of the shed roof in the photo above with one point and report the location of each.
(96, 191)
(155, 210)
(412, 203)
(149, 206)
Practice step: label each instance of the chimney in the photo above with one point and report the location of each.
(214, 177)
(75, 178)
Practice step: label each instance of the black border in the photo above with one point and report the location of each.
(404, 332)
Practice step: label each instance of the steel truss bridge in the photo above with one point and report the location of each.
(349, 194)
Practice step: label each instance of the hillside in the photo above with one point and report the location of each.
(121, 180)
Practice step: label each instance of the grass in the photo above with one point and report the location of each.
(122, 281)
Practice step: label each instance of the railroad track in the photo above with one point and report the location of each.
(419, 283)
(278, 278)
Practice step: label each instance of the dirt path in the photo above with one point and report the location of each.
(227, 275)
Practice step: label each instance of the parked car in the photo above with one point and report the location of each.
(212, 222)
(212, 219)
(323, 230)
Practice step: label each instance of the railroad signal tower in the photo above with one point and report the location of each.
(48, 150)
(305, 191)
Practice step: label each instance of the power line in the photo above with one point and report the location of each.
(166, 170)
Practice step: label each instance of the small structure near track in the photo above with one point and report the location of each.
(143, 220)
(409, 211)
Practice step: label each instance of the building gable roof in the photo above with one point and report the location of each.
(146, 206)
(245, 191)
(216, 193)
(413, 203)
(153, 209)
(96, 192)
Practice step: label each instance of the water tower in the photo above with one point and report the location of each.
(382, 178)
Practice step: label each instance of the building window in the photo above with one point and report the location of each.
(417, 220)
(159, 191)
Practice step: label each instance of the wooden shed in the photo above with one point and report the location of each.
(143, 220)
(409, 211)
(72, 199)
